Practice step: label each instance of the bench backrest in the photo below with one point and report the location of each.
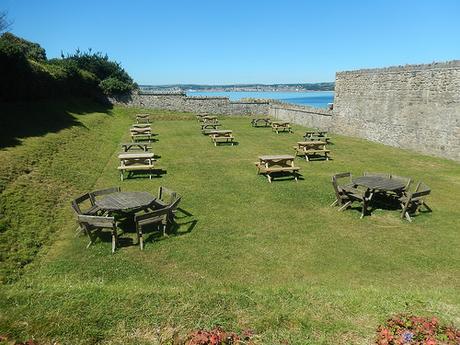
(153, 216)
(366, 173)
(166, 195)
(335, 181)
(93, 195)
(82, 202)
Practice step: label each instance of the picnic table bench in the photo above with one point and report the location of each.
(140, 130)
(221, 136)
(316, 136)
(270, 164)
(141, 125)
(135, 146)
(311, 148)
(136, 161)
(281, 126)
(261, 122)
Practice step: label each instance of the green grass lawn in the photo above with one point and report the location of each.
(274, 258)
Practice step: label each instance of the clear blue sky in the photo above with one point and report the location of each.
(222, 42)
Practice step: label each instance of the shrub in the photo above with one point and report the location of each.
(29, 49)
(114, 86)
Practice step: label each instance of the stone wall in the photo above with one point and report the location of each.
(303, 115)
(415, 107)
(179, 101)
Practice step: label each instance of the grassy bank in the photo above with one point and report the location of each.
(274, 258)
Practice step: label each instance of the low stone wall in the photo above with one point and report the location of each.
(414, 107)
(303, 115)
(179, 101)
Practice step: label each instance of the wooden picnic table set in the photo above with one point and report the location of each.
(281, 126)
(311, 148)
(380, 188)
(136, 155)
(261, 122)
(104, 208)
(274, 164)
(209, 126)
(316, 135)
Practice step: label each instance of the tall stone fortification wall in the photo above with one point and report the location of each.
(303, 115)
(180, 102)
(415, 107)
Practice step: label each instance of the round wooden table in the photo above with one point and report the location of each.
(126, 201)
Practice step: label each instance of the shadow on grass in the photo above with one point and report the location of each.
(157, 173)
(29, 119)
(151, 233)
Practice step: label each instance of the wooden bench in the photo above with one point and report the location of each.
(311, 148)
(276, 163)
(279, 126)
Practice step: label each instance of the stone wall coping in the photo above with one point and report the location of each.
(257, 103)
(310, 110)
(206, 98)
(160, 93)
(454, 64)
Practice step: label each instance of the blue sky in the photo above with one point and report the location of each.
(223, 42)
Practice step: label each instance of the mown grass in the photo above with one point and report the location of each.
(270, 257)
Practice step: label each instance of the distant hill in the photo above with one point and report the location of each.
(242, 87)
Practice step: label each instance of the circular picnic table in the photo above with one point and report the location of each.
(379, 183)
(126, 201)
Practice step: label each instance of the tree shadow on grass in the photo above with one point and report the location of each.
(19, 120)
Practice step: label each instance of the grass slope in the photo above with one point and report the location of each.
(270, 257)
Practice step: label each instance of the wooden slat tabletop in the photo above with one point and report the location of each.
(275, 157)
(379, 182)
(135, 155)
(126, 201)
(307, 143)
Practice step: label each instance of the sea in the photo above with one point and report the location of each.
(317, 99)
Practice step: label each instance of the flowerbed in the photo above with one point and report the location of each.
(414, 330)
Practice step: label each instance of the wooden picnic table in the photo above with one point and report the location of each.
(265, 122)
(269, 164)
(126, 201)
(312, 148)
(281, 126)
(316, 136)
(221, 136)
(136, 161)
(143, 118)
(207, 125)
(378, 184)
(136, 145)
(141, 136)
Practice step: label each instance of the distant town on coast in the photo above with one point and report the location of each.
(329, 86)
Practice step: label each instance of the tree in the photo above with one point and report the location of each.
(4, 23)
